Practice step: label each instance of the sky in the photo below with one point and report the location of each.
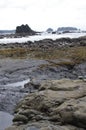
(42, 14)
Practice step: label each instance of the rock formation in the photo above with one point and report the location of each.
(57, 105)
(24, 29)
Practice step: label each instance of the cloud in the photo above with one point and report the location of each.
(40, 14)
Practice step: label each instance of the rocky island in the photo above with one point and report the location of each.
(54, 98)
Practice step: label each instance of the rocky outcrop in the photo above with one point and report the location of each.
(57, 105)
(24, 29)
(45, 43)
(67, 29)
(49, 30)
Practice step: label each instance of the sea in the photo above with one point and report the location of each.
(40, 37)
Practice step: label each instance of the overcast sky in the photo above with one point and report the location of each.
(42, 14)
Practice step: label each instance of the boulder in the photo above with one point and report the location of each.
(57, 105)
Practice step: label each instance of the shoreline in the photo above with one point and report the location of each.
(19, 39)
(41, 61)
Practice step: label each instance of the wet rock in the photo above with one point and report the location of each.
(12, 72)
(20, 118)
(33, 85)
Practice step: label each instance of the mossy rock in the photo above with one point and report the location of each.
(20, 118)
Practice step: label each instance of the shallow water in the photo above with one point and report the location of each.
(5, 120)
(32, 128)
(17, 84)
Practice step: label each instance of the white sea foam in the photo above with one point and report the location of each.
(40, 37)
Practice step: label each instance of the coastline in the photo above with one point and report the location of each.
(40, 61)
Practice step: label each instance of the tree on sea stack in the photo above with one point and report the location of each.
(24, 29)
